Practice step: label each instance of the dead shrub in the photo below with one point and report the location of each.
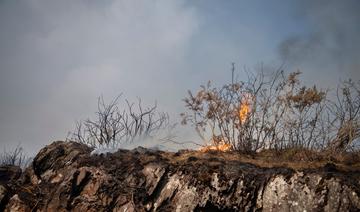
(275, 111)
(15, 157)
(114, 125)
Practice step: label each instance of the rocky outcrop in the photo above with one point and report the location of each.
(64, 176)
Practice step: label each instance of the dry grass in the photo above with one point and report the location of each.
(297, 159)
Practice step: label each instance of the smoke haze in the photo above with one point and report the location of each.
(330, 45)
(57, 57)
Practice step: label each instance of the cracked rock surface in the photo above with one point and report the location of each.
(65, 177)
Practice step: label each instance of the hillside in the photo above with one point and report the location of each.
(65, 177)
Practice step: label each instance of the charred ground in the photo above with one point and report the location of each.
(65, 176)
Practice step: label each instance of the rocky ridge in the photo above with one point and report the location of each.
(64, 176)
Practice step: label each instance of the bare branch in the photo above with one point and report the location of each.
(113, 125)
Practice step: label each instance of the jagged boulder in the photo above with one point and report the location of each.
(64, 176)
(9, 173)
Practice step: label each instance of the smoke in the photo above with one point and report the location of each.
(330, 44)
(57, 57)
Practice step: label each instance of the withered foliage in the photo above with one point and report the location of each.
(275, 111)
(113, 125)
(15, 157)
(344, 111)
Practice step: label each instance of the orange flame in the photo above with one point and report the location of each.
(218, 144)
(244, 109)
(220, 147)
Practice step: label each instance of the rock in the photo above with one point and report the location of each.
(8, 176)
(66, 177)
(58, 155)
(9, 173)
(16, 204)
(3, 196)
(153, 174)
(330, 167)
(143, 150)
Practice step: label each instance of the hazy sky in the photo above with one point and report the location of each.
(57, 57)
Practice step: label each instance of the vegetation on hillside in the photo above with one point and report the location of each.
(276, 111)
(268, 111)
(114, 124)
(15, 157)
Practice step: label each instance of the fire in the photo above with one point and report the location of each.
(244, 109)
(218, 145)
(221, 147)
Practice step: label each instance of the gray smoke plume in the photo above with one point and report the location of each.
(331, 44)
